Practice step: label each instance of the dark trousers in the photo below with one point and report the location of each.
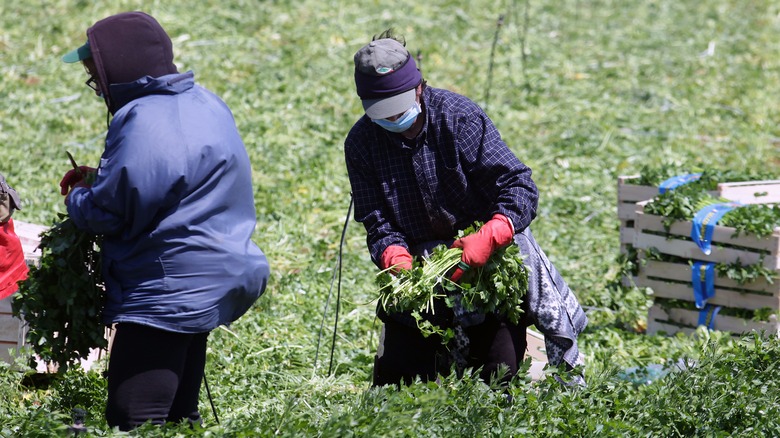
(154, 375)
(404, 353)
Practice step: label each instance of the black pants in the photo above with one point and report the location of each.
(404, 353)
(154, 375)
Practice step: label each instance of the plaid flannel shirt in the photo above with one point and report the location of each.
(456, 171)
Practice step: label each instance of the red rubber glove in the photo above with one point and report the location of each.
(73, 177)
(397, 257)
(478, 247)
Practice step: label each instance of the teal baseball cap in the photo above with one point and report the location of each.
(79, 54)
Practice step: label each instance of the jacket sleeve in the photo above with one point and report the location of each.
(369, 202)
(496, 170)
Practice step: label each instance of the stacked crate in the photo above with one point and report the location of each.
(630, 193)
(12, 330)
(673, 280)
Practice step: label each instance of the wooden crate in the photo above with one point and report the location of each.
(650, 233)
(675, 320)
(672, 280)
(629, 194)
(11, 331)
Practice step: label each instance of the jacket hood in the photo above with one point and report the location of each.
(126, 47)
(122, 94)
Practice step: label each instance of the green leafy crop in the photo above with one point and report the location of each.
(499, 286)
(683, 203)
(63, 298)
(709, 179)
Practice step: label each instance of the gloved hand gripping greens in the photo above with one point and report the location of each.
(396, 256)
(477, 248)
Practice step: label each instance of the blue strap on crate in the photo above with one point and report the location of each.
(676, 181)
(704, 223)
(707, 316)
(703, 281)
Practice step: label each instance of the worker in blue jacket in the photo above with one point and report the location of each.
(173, 199)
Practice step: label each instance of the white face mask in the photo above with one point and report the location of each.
(402, 123)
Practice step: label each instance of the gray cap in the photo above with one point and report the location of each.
(386, 77)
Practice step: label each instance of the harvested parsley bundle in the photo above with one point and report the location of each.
(63, 298)
(498, 287)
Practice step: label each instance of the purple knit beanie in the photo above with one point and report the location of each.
(386, 77)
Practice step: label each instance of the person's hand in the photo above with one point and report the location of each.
(75, 178)
(478, 247)
(396, 257)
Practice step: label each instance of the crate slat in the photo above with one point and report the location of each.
(690, 250)
(655, 327)
(650, 233)
(751, 192)
(685, 318)
(628, 191)
(684, 271)
(723, 297)
(5, 305)
(627, 236)
(9, 329)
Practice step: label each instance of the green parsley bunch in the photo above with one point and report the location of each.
(498, 286)
(63, 298)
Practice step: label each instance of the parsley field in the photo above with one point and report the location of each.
(582, 90)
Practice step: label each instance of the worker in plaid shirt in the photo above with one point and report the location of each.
(424, 163)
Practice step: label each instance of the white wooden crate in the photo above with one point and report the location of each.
(672, 280)
(629, 193)
(726, 247)
(12, 329)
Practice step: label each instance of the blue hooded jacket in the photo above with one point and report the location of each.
(174, 202)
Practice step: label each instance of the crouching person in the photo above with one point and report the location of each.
(423, 164)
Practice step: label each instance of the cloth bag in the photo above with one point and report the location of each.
(9, 200)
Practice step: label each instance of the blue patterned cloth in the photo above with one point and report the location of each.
(552, 306)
